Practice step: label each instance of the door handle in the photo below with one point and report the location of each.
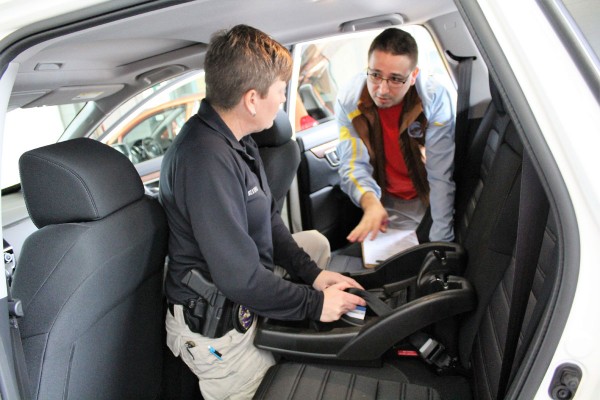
(332, 157)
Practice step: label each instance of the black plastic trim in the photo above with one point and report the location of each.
(342, 341)
(370, 341)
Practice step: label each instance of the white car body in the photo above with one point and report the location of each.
(564, 106)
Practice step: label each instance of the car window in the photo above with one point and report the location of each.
(326, 65)
(151, 135)
(164, 124)
(141, 128)
(29, 128)
(146, 129)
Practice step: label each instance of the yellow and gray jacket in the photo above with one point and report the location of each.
(362, 167)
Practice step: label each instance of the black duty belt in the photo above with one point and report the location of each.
(211, 314)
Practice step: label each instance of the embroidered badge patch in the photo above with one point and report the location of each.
(415, 130)
(245, 318)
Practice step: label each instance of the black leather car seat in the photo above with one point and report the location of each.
(90, 277)
(301, 381)
(478, 338)
(280, 155)
(478, 163)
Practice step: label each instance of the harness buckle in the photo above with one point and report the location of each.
(434, 353)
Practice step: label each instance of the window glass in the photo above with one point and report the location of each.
(327, 65)
(146, 129)
(30, 128)
(141, 128)
(127, 107)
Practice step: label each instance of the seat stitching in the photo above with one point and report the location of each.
(269, 381)
(350, 387)
(486, 377)
(324, 382)
(296, 381)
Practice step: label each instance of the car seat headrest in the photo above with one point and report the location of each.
(280, 133)
(77, 180)
(496, 99)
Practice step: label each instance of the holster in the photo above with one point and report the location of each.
(211, 314)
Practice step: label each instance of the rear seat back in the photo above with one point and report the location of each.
(488, 233)
(491, 238)
(481, 155)
(488, 346)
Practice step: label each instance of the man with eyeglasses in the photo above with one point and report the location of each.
(397, 142)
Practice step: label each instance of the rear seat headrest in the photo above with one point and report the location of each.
(280, 133)
(77, 180)
(496, 99)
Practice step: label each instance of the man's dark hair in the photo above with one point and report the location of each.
(242, 59)
(397, 42)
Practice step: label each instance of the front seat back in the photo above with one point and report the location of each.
(280, 155)
(90, 277)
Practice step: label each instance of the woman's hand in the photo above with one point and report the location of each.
(337, 302)
(329, 278)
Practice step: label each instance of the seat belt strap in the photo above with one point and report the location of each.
(376, 305)
(461, 134)
(15, 311)
(533, 215)
(19, 358)
(373, 301)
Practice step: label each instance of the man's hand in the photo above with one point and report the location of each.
(329, 278)
(373, 221)
(337, 302)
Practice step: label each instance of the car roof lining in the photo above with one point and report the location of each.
(129, 75)
(117, 52)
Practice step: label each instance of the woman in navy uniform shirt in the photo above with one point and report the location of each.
(224, 223)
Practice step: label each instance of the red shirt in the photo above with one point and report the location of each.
(398, 181)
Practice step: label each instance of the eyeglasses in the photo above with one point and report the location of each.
(393, 81)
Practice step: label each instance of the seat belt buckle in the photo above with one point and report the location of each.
(434, 353)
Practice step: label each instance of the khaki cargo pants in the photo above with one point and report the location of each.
(238, 373)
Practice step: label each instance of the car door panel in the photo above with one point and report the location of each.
(324, 206)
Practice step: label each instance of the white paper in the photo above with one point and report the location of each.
(386, 245)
